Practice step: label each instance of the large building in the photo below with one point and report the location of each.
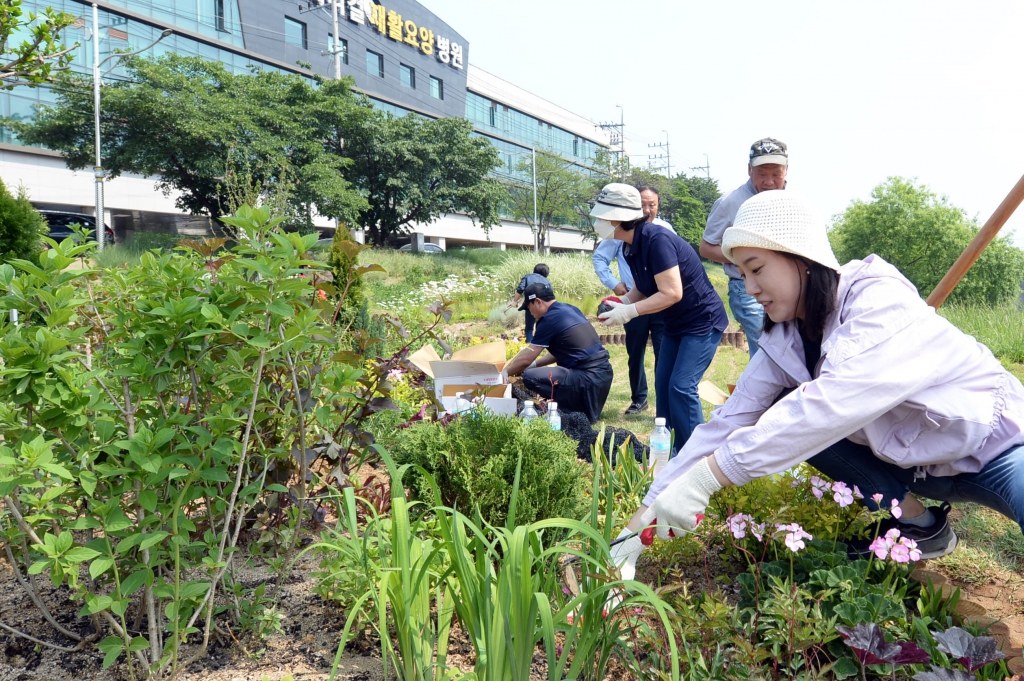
(403, 57)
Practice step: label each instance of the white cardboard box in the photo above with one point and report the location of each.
(470, 369)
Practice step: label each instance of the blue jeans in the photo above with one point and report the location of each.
(747, 311)
(999, 485)
(682, 364)
(638, 330)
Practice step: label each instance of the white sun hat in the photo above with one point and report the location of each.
(780, 220)
(619, 202)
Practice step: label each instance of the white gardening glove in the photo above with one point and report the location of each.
(624, 554)
(619, 313)
(680, 506)
(624, 298)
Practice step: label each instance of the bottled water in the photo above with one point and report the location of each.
(554, 418)
(661, 444)
(528, 411)
(462, 404)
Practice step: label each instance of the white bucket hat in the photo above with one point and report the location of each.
(780, 220)
(619, 202)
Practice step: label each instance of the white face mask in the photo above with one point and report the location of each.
(604, 229)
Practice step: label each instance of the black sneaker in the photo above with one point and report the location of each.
(636, 408)
(934, 541)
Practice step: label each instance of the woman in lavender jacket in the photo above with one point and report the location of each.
(858, 377)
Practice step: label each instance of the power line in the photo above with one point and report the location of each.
(667, 155)
(706, 167)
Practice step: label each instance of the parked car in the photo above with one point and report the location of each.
(427, 248)
(60, 223)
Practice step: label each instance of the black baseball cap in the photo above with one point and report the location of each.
(768, 150)
(534, 292)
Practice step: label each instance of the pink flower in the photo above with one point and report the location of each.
(880, 548)
(757, 529)
(892, 536)
(795, 536)
(900, 553)
(877, 498)
(638, 611)
(895, 509)
(738, 525)
(843, 495)
(395, 374)
(818, 486)
(912, 550)
(857, 493)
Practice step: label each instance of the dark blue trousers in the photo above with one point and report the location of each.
(638, 330)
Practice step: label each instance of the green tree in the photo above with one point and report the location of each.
(923, 234)
(685, 201)
(564, 190)
(704, 189)
(218, 139)
(31, 48)
(414, 170)
(21, 226)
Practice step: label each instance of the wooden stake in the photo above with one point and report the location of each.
(974, 249)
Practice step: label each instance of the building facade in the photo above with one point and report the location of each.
(401, 56)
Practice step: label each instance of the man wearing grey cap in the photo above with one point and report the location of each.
(769, 161)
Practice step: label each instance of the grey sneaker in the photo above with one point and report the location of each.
(934, 541)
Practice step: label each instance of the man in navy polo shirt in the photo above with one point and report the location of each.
(583, 377)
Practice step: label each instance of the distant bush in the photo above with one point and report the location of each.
(473, 459)
(572, 274)
(21, 226)
(923, 234)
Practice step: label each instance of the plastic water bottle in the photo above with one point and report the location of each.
(661, 445)
(554, 418)
(529, 412)
(462, 404)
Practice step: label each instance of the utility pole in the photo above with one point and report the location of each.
(536, 227)
(337, 41)
(706, 167)
(618, 138)
(667, 155)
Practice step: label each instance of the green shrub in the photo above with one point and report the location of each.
(341, 265)
(473, 459)
(21, 226)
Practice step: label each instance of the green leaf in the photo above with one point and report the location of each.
(138, 643)
(135, 581)
(152, 539)
(99, 566)
(80, 554)
(38, 566)
(112, 647)
(147, 500)
(88, 482)
(214, 475)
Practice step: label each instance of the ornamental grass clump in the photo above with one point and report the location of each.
(473, 459)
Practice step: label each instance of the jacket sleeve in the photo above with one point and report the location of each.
(759, 385)
(882, 356)
(522, 285)
(602, 259)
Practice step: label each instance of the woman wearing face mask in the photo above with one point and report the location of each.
(668, 276)
(856, 376)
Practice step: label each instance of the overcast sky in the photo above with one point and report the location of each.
(859, 91)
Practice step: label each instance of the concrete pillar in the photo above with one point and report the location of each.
(417, 242)
(501, 247)
(440, 241)
(359, 236)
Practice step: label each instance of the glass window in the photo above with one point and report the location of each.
(218, 15)
(408, 75)
(342, 44)
(294, 32)
(436, 88)
(374, 64)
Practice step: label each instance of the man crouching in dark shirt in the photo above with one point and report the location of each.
(583, 377)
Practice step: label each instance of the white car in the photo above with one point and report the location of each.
(427, 248)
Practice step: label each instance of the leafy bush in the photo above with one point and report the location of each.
(346, 280)
(473, 459)
(923, 235)
(21, 226)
